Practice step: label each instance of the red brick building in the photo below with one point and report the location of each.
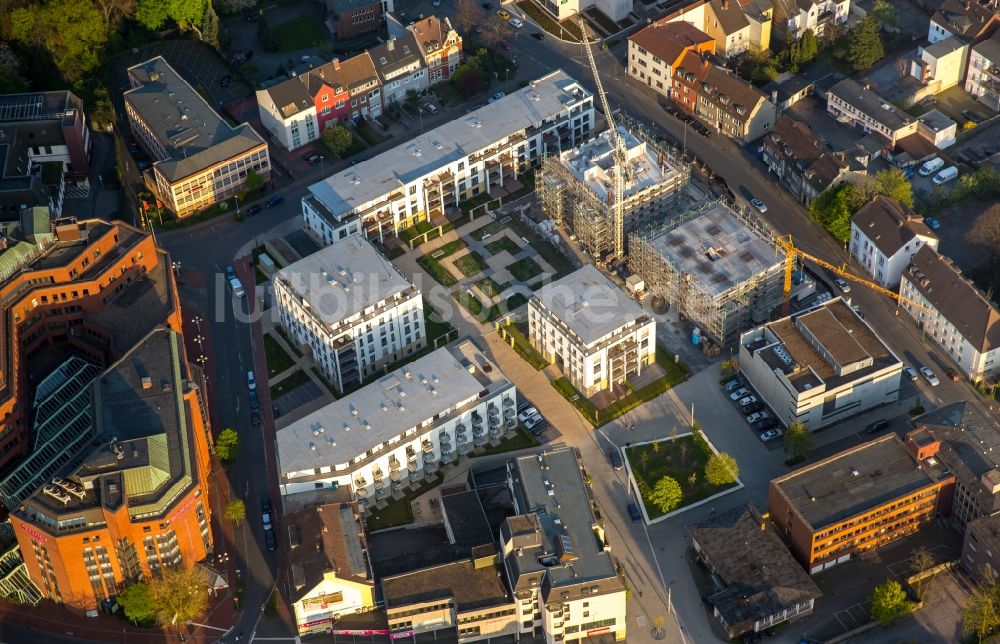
(440, 45)
(351, 18)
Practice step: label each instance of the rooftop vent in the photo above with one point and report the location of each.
(855, 472)
(147, 382)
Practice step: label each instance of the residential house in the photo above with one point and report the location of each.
(937, 128)
(941, 63)
(440, 45)
(952, 312)
(760, 15)
(858, 106)
(885, 235)
(802, 162)
(358, 73)
(983, 79)
(794, 17)
(351, 18)
(287, 111)
(655, 51)
(729, 26)
(721, 99)
(400, 68)
(330, 96)
(969, 20)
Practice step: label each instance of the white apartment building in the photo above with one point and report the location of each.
(983, 79)
(799, 15)
(597, 335)
(820, 366)
(615, 9)
(953, 313)
(451, 163)
(860, 107)
(400, 67)
(199, 158)
(555, 553)
(391, 433)
(352, 308)
(885, 234)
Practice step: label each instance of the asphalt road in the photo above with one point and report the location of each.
(209, 247)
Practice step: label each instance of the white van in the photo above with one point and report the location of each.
(946, 175)
(237, 287)
(931, 167)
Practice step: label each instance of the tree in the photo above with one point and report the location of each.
(721, 469)
(469, 80)
(227, 445)
(115, 11)
(137, 602)
(832, 211)
(981, 614)
(921, 562)
(187, 14)
(798, 440)
(210, 28)
(666, 494)
(11, 80)
(254, 181)
(889, 601)
(891, 182)
(180, 594)
(884, 13)
(268, 40)
(236, 510)
(338, 138)
(804, 49)
(866, 44)
(495, 30)
(72, 33)
(468, 14)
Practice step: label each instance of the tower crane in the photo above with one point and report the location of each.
(786, 244)
(621, 171)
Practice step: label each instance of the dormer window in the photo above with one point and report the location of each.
(325, 97)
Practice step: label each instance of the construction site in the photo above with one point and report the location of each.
(577, 190)
(716, 266)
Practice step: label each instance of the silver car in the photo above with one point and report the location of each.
(749, 400)
(739, 393)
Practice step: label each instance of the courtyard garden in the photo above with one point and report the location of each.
(431, 262)
(678, 471)
(471, 264)
(525, 269)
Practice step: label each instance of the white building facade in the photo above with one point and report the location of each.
(819, 367)
(292, 125)
(953, 313)
(395, 431)
(457, 161)
(815, 15)
(884, 236)
(352, 308)
(588, 326)
(983, 79)
(615, 9)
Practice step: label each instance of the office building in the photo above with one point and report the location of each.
(199, 159)
(714, 264)
(952, 312)
(980, 549)
(591, 329)
(885, 235)
(352, 308)
(763, 585)
(472, 155)
(820, 366)
(395, 431)
(44, 152)
(133, 498)
(555, 553)
(577, 186)
(331, 576)
(855, 501)
(860, 107)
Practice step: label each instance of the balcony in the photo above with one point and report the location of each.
(462, 439)
(460, 429)
(508, 403)
(411, 454)
(429, 457)
(509, 413)
(510, 424)
(427, 446)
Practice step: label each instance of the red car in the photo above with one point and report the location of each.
(951, 374)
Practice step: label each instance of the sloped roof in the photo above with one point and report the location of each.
(431, 33)
(730, 15)
(964, 18)
(669, 41)
(394, 54)
(890, 225)
(322, 538)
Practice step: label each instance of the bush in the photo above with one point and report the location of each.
(721, 469)
(889, 601)
(338, 138)
(666, 494)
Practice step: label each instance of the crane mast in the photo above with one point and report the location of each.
(621, 169)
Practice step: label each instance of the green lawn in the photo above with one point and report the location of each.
(288, 339)
(489, 286)
(435, 326)
(525, 269)
(521, 440)
(431, 262)
(300, 33)
(679, 459)
(471, 304)
(398, 512)
(491, 228)
(409, 234)
(503, 244)
(326, 383)
(518, 338)
(570, 30)
(278, 359)
(291, 382)
(471, 264)
(515, 301)
(474, 202)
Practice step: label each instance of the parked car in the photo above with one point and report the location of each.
(633, 512)
(842, 285)
(932, 223)
(952, 375)
(969, 115)
(503, 13)
(932, 166)
(255, 418)
(703, 130)
(770, 434)
(230, 273)
(878, 425)
(265, 513)
(254, 401)
(255, 209)
(929, 376)
(757, 415)
(516, 23)
(946, 175)
(747, 401)
(733, 384)
(226, 80)
(496, 97)
(765, 424)
(537, 35)
(909, 373)
(431, 108)
(759, 205)
(488, 6)
(504, 45)
(251, 381)
(313, 157)
(536, 424)
(615, 456)
(269, 540)
(739, 393)
(527, 413)
(276, 200)
(473, 107)
(237, 287)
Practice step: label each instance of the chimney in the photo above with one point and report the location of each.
(336, 63)
(774, 96)
(391, 44)
(725, 5)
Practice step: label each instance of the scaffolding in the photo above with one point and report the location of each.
(575, 190)
(716, 265)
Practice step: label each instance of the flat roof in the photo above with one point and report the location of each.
(716, 249)
(853, 481)
(194, 134)
(472, 588)
(592, 164)
(466, 519)
(589, 303)
(937, 120)
(427, 153)
(381, 411)
(344, 278)
(868, 102)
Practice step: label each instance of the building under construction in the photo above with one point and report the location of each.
(716, 265)
(576, 188)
